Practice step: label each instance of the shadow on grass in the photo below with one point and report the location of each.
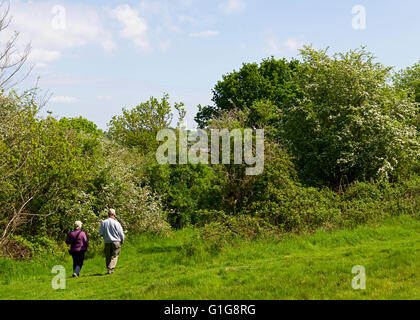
(95, 275)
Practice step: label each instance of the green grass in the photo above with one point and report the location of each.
(316, 266)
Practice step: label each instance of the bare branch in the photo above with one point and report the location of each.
(11, 59)
(36, 214)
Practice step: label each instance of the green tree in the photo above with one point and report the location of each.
(409, 79)
(41, 164)
(349, 123)
(55, 172)
(138, 127)
(269, 81)
(80, 124)
(185, 190)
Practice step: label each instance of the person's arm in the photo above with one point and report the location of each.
(121, 232)
(101, 229)
(85, 240)
(68, 239)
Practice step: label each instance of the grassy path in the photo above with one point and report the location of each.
(317, 266)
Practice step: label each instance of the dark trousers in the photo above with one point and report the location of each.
(78, 258)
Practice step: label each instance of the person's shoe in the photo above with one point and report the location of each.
(75, 275)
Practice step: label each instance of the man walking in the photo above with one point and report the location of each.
(113, 235)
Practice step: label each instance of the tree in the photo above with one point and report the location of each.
(349, 123)
(185, 190)
(81, 124)
(409, 79)
(55, 172)
(138, 127)
(239, 190)
(41, 163)
(11, 59)
(269, 81)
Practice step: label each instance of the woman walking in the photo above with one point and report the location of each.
(78, 246)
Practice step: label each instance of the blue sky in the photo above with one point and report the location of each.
(111, 54)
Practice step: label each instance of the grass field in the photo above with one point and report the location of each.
(317, 266)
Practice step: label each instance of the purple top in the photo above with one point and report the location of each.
(80, 244)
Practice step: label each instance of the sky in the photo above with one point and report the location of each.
(97, 57)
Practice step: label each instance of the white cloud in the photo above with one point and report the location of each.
(35, 23)
(105, 98)
(204, 34)
(288, 47)
(148, 24)
(164, 44)
(187, 3)
(164, 20)
(42, 55)
(109, 45)
(135, 27)
(292, 44)
(163, 12)
(63, 99)
(41, 65)
(186, 19)
(233, 6)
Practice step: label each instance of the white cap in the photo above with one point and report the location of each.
(111, 212)
(78, 224)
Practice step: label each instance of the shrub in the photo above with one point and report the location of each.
(229, 228)
(24, 248)
(185, 190)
